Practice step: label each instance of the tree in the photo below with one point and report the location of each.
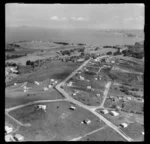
(28, 62)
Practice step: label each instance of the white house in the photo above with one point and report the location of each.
(52, 80)
(104, 111)
(124, 125)
(15, 84)
(70, 83)
(72, 107)
(98, 95)
(81, 78)
(37, 83)
(9, 138)
(8, 129)
(42, 107)
(114, 113)
(45, 88)
(19, 137)
(87, 121)
(50, 86)
(95, 78)
(89, 87)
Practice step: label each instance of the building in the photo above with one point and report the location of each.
(18, 137)
(15, 84)
(95, 78)
(45, 88)
(9, 138)
(42, 107)
(37, 83)
(81, 78)
(124, 125)
(87, 121)
(81, 60)
(114, 113)
(50, 86)
(89, 87)
(104, 111)
(70, 83)
(52, 80)
(8, 128)
(72, 107)
(98, 95)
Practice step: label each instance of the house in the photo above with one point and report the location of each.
(81, 78)
(55, 82)
(18, 137)
(8, 128)
(72, 107)
(112, 61)
(37, 83)
(114, 113)
(70, 83)
(124, 125)
(87, 121)
(45, 88)
(15, 84)
(50, 86)
(80, 60)
(129, 98)
(104, 111)
(9, 138)
(98, 95)
(52, 80)
(24, 90)
(95, 78)
(89, 87)
(42, 107)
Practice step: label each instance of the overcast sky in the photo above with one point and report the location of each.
(72, 16)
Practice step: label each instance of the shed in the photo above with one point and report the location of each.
(114, 113)
(124, 125)
(104, 111)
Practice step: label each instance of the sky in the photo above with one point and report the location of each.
(75, 16)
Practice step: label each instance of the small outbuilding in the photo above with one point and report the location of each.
(37, 83)
(9, 138)
(45, 88)
(89, 87)
(124, 125)
(104, 111)
(72, 107)
(87, 121)
(114, 113)
(18, 137)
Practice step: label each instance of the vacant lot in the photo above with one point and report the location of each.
(106, 134)
(57, 123)
(134, 131)
(56, 70)
(14, 101)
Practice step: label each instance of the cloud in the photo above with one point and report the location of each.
(58, 18)
(79, 18)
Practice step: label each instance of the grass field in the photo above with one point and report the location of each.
(106, 134)
(58, 121)
(56, 70)
(14, 101)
